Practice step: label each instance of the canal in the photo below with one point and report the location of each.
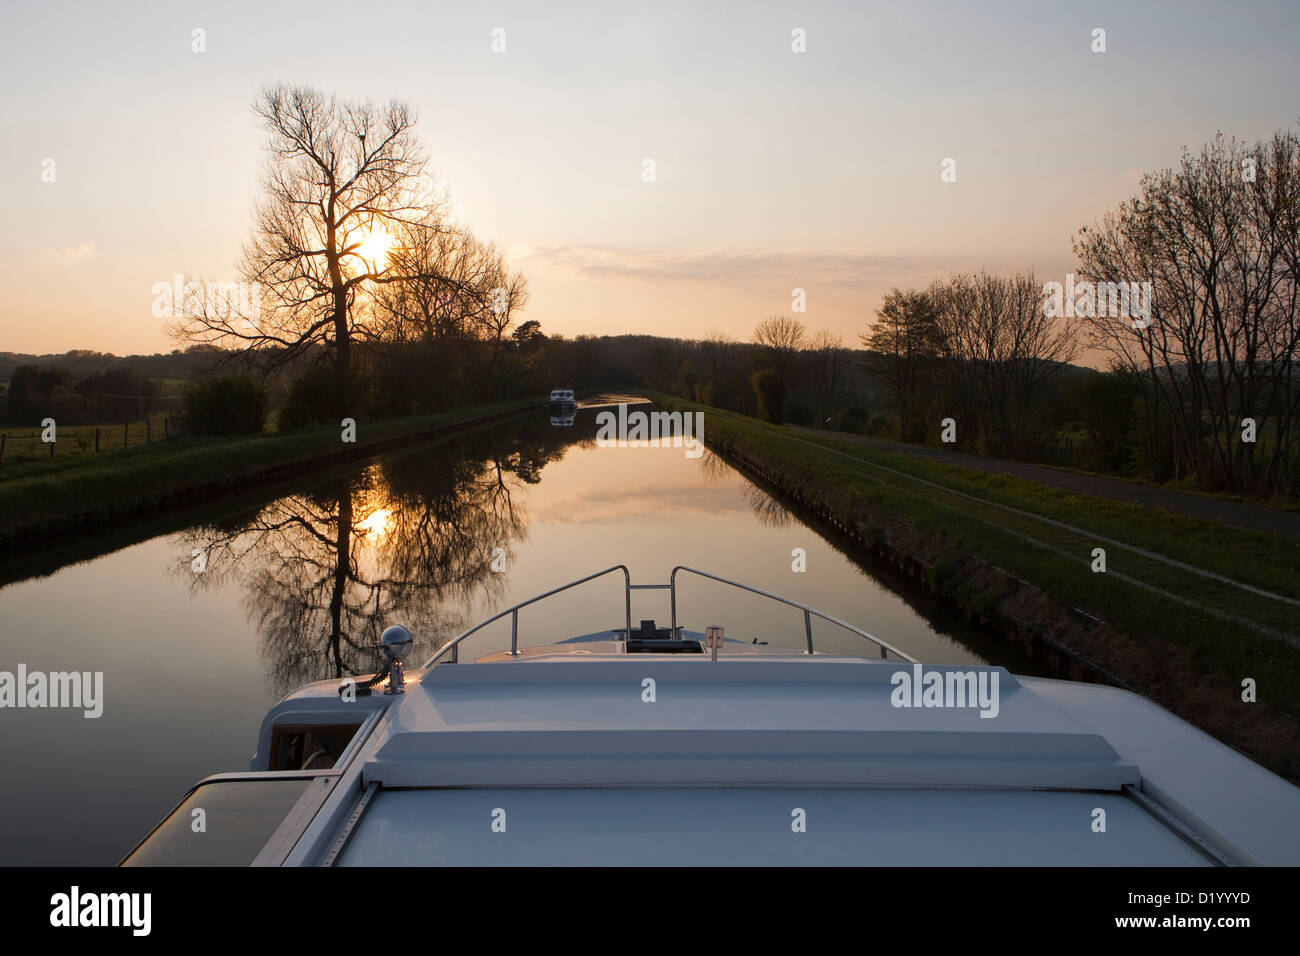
(199, 628)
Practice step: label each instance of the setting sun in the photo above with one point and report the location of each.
(374, 246)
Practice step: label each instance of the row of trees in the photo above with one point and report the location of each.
(784, 373)
(119, 394)
(1201, 387)
(979, 349)
(79, 364)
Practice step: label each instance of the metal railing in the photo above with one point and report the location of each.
(808, 612)
(513, 611)
(453, 645)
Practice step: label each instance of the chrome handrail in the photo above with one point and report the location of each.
(514, 614)
(671, 587)
(807, 612)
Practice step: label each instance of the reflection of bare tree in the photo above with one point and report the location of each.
(767, 509)
(408, 541)
(714, 467)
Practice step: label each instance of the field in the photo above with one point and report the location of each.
(19, 446)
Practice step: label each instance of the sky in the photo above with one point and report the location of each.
(774, 170)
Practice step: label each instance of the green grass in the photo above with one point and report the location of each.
(1264, 560)
(1267, 561)
(106, 485)
(849, 486)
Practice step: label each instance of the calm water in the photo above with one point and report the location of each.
(192, 661)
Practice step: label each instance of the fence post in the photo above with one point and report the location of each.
(96, 441)
(126, 433)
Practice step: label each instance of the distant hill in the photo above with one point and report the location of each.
(81, 363)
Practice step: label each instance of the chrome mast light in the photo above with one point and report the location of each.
(395, 644)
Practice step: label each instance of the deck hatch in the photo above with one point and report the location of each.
(240, 816)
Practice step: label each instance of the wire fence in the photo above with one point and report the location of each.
(31, 444)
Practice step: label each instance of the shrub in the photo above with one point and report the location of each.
(853, 420)
(316, 399)
(799, 412)
(225, 405)
(882, 426)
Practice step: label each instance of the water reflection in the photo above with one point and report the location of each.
(769, 512)
(416, 538)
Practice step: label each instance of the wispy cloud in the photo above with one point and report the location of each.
(720, 265)
(83, 251)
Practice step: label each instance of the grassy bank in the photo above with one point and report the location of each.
(1186, 610)
(61, 495)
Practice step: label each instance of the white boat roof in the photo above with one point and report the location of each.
(560, 740)
(634, 746)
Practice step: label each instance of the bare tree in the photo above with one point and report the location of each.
(452, 286)
(342, 181)
(905, 338)
(782, 338)
(826, 360)
(1218, 239)
(716, 346)
(1000, 347)
(507, 294)
(439, 260)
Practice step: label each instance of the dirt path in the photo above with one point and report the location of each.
(1243, 515)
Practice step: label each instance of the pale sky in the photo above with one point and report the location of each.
(775, 170)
